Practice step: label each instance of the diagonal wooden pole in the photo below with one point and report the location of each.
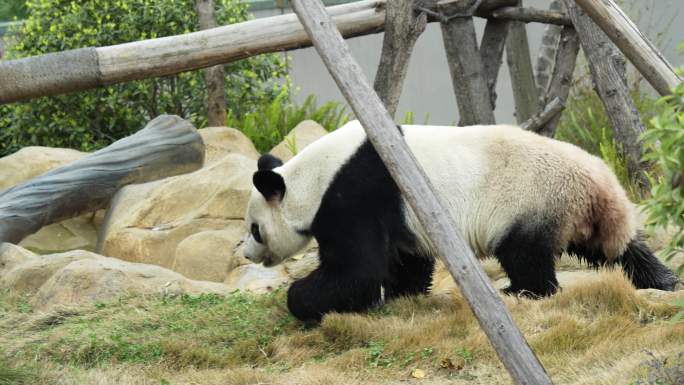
(488, 307)
(633, 44)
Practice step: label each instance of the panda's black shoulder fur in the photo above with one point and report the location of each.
(364, 243)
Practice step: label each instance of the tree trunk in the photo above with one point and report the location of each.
(402, 29)
(522, 74)
(547, 54)
(214, 77)
(167, 146)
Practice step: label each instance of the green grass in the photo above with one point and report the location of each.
(10, 375)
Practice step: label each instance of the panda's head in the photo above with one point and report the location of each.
(272, 237)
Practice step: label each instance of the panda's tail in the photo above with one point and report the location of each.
(638, 262)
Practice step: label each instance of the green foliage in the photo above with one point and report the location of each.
(376, 357)
(666, 142)
(585, 124)
(12, 10)
(268, 123)
(92, 119)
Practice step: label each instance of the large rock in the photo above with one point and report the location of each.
(31, 273)
(146, 223)
(100, 279)
(30, 162)
(305, 133)
(70, 234)
(210, 255)
(221, 141)
(12, 256)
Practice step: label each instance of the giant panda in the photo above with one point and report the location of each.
(514, 195)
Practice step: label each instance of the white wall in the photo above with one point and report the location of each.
(428, 90)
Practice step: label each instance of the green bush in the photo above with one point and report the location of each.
(268, 124)
(92, 119)
(666, 149)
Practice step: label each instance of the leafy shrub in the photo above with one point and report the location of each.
(92, 119)
(268, 124)
(666, 142)
(12, 9)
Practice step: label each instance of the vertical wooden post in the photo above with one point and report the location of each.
(214, 77)
(561, 79)
(465, 62)
(607, 68)
(522, 74)
(546, 58)
(491, 50)
(402, 29)
(490, 311)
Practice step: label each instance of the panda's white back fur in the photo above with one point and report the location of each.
(490, 176)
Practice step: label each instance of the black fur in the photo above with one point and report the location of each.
(361, 235)
(270, 184)
(638, 262)
(527, 254)
(268, 162)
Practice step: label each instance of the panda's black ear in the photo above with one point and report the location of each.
(268, 162)
(270, 184)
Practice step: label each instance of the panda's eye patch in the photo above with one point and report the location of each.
(255, 233)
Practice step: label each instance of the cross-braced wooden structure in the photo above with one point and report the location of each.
(599, 27)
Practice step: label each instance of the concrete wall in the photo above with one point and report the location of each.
(427, 90)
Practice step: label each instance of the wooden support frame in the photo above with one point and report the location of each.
(546, 57)
(522, 74)
(490, 311)
(465, 63)
(167, 146)
(607, 66)
(402, 29)
(561, 79)
(491, 51)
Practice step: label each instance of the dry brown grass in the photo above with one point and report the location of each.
(594, 332)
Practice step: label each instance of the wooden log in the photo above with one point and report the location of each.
(531, 15)
(563, 71)
(402, 29)
(607, 68)
(483, 299)
(214, 77)
(87, 68)
(465, 65)
(546, 58)
(522, 75)
(639, 50)
(491, 51)
(538, 121)
(167, 146)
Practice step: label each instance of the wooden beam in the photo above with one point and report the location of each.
(546, 58)
(639, 50)
(402, 29)
(86, 68)
(522, 75)
(167, 146)
(483, 299)
(561, 79)
(465, 65)
(532, 15)
(538, 121)
(491, 51)
(607, 67)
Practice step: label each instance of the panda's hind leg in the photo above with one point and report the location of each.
(527, 254)
(410, 273)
